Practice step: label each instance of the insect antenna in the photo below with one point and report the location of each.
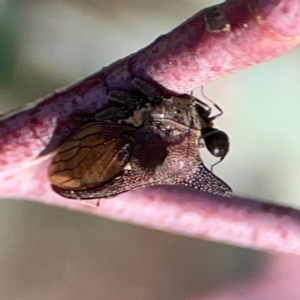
(216, 163)
(209, 119)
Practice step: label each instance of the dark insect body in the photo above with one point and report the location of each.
(147, 139)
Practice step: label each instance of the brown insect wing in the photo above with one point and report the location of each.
(94, 154)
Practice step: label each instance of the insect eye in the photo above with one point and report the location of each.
(216, 141)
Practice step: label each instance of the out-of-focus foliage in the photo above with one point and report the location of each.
(8, 54)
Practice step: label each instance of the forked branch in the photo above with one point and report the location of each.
(215, 42)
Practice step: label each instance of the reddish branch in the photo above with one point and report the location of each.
(182, 60)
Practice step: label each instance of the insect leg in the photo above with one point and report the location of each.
(217, 115)
(94, 205)
(125, 98)
(146, 89)
(113, 113)
(209, 119)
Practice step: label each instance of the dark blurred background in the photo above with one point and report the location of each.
(50, 253)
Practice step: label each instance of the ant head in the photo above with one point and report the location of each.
(216, 141)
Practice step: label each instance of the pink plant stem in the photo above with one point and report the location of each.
(185, 58)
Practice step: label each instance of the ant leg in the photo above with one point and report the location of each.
(146, 89)
(214, 104)
(125, 98)
(217, 115)
(91, 204)
(130, 102)
(216, 163)
(112, 113)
